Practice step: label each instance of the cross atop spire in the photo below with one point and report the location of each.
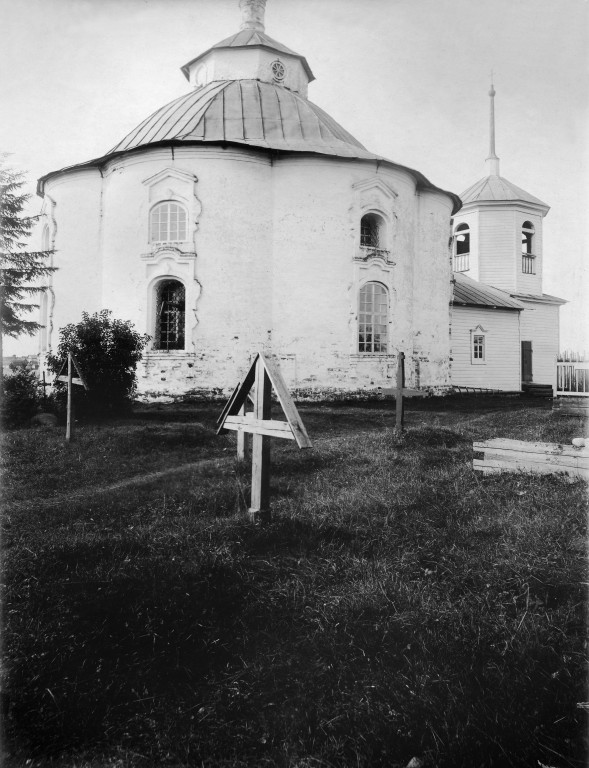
(492, 160)
(252, 14)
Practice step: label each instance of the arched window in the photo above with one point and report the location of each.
(528, 258)
(170, 315)
(167, 223)
(373, 318)
(462, 248)
(527, 236)
(372, 231)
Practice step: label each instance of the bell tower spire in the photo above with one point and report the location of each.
(492, 161)
(252, 14)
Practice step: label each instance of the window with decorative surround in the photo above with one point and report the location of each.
(168, 223)
(462, 248)
(528, 258)
(373, 318)
(373, 236)
(478, 346)
(170, 301)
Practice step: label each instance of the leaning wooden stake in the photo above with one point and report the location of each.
(260, 497)
(399, 394)
(68, 427)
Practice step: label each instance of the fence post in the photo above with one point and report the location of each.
(68, 427)
(399, 394)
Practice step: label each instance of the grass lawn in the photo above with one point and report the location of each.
(399, 605)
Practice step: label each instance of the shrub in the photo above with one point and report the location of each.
(107, 352)
(21, 395)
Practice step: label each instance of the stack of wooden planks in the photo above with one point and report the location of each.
(502, 455)
(571, 405)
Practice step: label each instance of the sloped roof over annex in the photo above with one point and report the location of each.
(470, 293)
(543, 298)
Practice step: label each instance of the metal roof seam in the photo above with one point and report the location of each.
(281, 119)
(262, 121)
(133, 135)
(171, 123)
(158, 124)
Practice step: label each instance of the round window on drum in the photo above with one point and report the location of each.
(278, 71)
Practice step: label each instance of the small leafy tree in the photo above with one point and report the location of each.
(21, 271)
(107, 351)
(21, 396)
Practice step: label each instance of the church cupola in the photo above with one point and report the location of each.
(251, 55)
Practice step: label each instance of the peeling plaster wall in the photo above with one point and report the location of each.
(74, 212)
(432, 290)
(272, 260)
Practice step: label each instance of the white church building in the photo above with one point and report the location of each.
(241, 217)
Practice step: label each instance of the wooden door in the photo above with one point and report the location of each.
(527, 376)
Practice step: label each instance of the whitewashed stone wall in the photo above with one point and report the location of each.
(271, 261)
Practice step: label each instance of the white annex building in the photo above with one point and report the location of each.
(241, 217)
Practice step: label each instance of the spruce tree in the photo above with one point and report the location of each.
(22, 272)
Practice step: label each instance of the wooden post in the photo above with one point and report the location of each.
(260, 497)
(399, 394)
(241, 438)
(68, 428)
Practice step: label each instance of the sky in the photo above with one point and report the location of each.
(407, 78)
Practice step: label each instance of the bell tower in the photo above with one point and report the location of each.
(497, 234)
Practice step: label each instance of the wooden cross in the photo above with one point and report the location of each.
(399, 392)
(44, 384)
(79, 380)
(263, 377)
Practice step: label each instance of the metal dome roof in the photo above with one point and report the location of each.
(497, 189)
(247, 112)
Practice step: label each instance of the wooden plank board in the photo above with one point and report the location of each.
(242, 391)
(79, 372)
(523, 446)
(79, 382)
(494, 466)
(285, 400)
(574, 462)
(227, 406)
(573, 409)
(406, 392)
(262, 426)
